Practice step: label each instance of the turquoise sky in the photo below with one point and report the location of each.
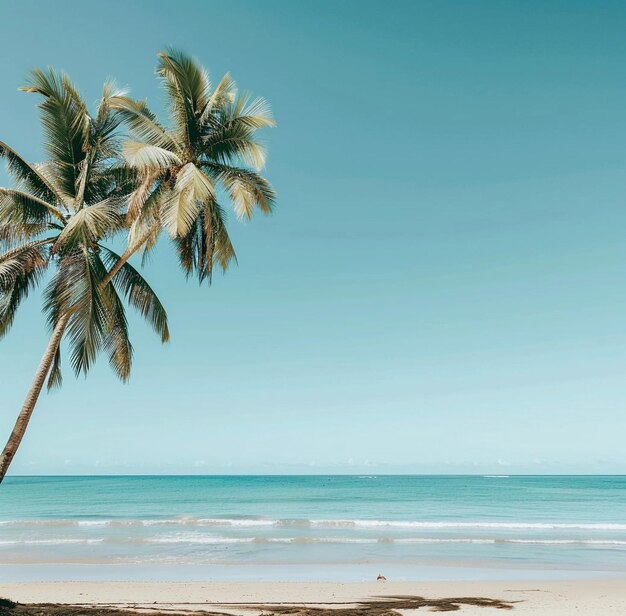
(443, 285)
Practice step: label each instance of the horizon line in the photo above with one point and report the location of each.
(483, 475)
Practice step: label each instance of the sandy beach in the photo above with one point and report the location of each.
(591, 597)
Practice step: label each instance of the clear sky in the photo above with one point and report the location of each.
(443, 285)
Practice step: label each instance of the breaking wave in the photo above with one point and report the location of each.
(320, 523)
(217, 540)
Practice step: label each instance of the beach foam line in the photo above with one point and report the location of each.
(51, 523)
(437, 525)
(218, 540)
(381, 540)
(322, 523)
(51, 542)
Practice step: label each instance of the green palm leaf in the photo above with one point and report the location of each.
(116, 342)
(184, 201)
(65, 120)
(149, 158)
(90, 224)
(188, 86)
(20, 270)
(234, 143)
(139, 294)
(27, 175)
(247, 189)
(55, 377)
(206, 244)
(21, 209)
(224, 93)
(143, 123)
(75, 290)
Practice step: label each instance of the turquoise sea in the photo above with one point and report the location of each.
(312, 527)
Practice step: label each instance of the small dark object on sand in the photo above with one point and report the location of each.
(381, 577)
(6, 607)
(7, 603)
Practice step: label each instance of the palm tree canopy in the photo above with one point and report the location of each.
(208, 152)
(57, 218)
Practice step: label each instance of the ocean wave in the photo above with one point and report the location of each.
(36, 523)
(437, 525)
(297, 540)
(51, 542)
(322, 523)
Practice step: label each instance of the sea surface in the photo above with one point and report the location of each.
(312, 527)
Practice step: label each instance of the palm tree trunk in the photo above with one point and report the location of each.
(31, 397)
(128, 253)
(118, 266)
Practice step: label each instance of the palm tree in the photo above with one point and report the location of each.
(208, 153)
(57, 218)
(174, 178)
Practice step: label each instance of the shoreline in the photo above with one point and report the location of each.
(601, 597)
(292, 573)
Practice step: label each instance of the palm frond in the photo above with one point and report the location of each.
(182, 204)
(143, 123)
(91, 224)
(137, 199)
(11, 299)
(65, 121)
(116, 341)
(27, 175)
(117, 179)
(75, 290)
(254, 113)
(20, 270)
(145, 229)
(138, 293)
(223, 249)
(17, 207)
(234, 143)
(246, 188)
(54, 175)
(206, 244)
(22, 260)
(224, 94)
(55, 378)
(103, 135)
(149, 159)
(187, 85)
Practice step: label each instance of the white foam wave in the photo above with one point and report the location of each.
(323, 523)
(436, 525)
(215, 540)
(297, 540)
(52, 542)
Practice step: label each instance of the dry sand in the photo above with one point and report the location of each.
(587, 598)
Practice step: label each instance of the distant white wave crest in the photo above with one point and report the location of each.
(217, 540)
(52, 542)
(322, 523)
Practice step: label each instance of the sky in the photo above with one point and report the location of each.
(442, 288)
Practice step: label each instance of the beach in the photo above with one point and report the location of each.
(242, 545)
(540, 598)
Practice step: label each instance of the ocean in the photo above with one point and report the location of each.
(312, 527)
